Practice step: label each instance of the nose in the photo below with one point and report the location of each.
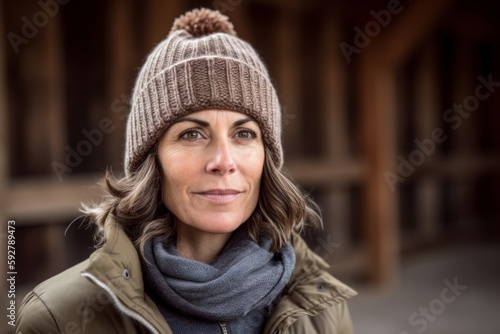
(221, 158)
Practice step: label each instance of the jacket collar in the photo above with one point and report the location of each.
(312, 270)
(116, 268)
(311, 288)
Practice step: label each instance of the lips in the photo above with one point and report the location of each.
(220, 196)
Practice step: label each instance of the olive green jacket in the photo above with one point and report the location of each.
(105, 294)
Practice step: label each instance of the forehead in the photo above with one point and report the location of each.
(214, 116)
(217, 113)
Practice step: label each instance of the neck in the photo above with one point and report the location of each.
(199, 245)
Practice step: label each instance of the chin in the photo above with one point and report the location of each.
(221, 224)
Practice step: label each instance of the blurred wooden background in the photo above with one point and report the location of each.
(346, 119)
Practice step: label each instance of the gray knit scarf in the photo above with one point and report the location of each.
(245, 277)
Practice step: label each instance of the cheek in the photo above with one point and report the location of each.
(175, 177)
(252, 168)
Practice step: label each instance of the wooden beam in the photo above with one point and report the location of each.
(32, 200)
(462, 166)
(327, 173)
(378, 91)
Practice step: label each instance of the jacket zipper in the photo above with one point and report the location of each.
(223, 327)
(120, 306)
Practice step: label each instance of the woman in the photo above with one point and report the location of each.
(200, 236)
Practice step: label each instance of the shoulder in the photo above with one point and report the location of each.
(334, 320)
(318, 298)
(65, 303)
(52, 305)
(312, 275)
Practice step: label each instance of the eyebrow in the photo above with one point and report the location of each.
(194, 120)
(243, 121)
(207, 124)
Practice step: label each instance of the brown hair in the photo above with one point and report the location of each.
(136, 203)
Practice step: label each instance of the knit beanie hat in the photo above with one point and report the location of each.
(200, 65)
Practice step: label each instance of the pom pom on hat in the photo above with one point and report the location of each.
(202, 22)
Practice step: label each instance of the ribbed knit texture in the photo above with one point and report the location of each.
(187, 73)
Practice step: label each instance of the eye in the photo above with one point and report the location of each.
(246, 134)
(191, 135)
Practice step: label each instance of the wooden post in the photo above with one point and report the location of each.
(427, 118)
(55, 106)
(492, 224)
(288, 80)
(56, 88)
(335, 132)
(121, 75)
(334, 80)
(378, 90)
(463, 137)
(4, 160)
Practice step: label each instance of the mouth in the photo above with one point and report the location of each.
(219, 196)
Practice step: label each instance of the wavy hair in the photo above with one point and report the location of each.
(135, 201)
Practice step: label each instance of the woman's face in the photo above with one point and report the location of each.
(212, 164)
